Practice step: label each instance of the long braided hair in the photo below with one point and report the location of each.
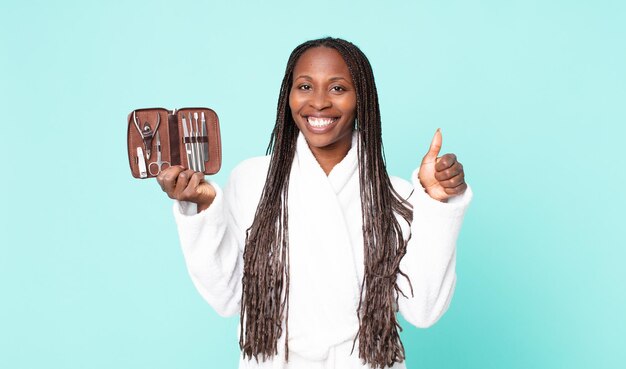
(265, 292)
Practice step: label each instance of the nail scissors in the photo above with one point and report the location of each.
(155, 167)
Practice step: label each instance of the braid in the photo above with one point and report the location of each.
(264, 303)
(265, 293)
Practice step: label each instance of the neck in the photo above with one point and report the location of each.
(327, 159)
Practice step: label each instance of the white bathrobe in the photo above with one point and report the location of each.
(325, 254)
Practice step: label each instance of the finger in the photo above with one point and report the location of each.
(167, 179)
(453, 182)
(181, 183)
(191, 191)
(453, 171)
(435, 147)
(456, 190)
(445, 162)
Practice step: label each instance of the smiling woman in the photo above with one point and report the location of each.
(315, 246)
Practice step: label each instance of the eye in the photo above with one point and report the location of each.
(338, 89)
(304, 86)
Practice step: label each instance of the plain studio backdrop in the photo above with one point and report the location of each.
(531, 96)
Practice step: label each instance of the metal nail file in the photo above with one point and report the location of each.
(187, 141)
(205, 146)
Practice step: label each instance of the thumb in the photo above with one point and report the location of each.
(204, 188)
(435, 147)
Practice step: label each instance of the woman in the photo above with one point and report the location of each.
(314, 245)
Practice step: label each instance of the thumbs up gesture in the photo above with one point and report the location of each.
(442, 177)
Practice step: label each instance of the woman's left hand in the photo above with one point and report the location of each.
(441, 177)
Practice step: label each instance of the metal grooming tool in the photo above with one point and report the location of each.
(205, 145)
(199, 150)
(141, 163)
(158, 164)
(147, 133)
(187, 141)
(194, 143)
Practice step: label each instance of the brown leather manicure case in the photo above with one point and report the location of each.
(159, 138)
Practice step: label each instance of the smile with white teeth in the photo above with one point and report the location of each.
(320, 122)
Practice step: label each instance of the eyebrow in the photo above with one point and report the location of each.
(333, 79)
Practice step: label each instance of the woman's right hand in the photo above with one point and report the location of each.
(186, 185)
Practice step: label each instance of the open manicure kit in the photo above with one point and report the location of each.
(159, 138)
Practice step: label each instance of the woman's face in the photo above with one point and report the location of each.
(323, 101)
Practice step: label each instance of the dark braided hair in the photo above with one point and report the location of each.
(265, 292)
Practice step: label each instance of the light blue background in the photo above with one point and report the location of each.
(531, 95)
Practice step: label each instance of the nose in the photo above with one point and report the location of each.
(320, 100)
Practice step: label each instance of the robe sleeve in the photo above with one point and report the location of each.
(430, 260)
(212, 244)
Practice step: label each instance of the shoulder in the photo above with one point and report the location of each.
(247, 179)
(251, 168)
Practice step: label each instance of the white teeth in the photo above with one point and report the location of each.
(320, 122)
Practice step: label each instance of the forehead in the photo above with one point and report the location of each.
(321, 61)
